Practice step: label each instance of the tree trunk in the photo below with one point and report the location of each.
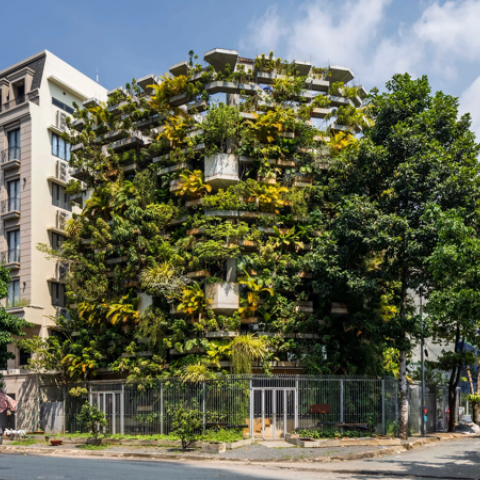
(475, 406)
(403, 412)
(453, 383)
(403, 420)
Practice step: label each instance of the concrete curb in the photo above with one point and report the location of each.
(52, 451)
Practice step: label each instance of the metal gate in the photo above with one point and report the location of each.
(274, 412)
(110, 403)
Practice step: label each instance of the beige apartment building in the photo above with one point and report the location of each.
(36, 96)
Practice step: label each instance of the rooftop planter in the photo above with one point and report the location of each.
(180, 68)
(219, 57)
(221, 170)
(338, 73)
(223, 297)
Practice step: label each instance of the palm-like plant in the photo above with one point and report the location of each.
(285, 240)
(340, 142)
(256, 286)
(191, 183)
(168, 87)
(245, 350)
(193, 300)
(163, 278)
(175, 130)
(196, 373)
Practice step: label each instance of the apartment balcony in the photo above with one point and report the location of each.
(336, 101)
(11, 209)
(10, 158)
(61, 219)
(232, 87)
(15, 102)
(60, 274)
(11, 258)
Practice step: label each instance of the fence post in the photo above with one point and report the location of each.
(251, 409)
(342, 419)
(204, 406)
(396, 407)
(122, 410)
(383, 408)
(296, 405)
(161, 408)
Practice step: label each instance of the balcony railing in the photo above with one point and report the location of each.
(11, 205)
(10, 153)
(11, 256)
(11, 103)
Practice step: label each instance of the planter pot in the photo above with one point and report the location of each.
(213, 447)
(55, 443)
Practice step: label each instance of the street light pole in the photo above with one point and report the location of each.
(424, 407)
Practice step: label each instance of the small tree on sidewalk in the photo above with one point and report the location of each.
(186, 425)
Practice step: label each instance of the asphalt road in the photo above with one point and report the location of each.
(448, 460)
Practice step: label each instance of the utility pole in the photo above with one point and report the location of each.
(424, 406)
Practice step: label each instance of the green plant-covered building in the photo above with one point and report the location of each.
(204, 194)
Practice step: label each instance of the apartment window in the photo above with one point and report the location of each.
(13, 138)
(62, 105)
(60, 198)
(13, 242)
(13, 192)
(13, 296)
(57, 291)
(57, 241)
(24, 357)
(60, 148)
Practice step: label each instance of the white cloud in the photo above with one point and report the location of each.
(264, 33)
(353, 33)
(470, 102)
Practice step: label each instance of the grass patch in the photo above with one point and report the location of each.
(93, 447)
(25, 443)
(318, 434)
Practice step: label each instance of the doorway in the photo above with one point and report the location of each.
(274, 412)
(110, 404)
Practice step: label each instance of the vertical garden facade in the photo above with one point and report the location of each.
(204, 195)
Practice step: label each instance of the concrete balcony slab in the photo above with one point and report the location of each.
(219, 57)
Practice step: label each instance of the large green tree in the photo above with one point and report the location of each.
(454, 302)
(10, 325)
(417, 153)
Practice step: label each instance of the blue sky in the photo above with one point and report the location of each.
(376, 38)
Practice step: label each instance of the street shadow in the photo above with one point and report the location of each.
(458, 464)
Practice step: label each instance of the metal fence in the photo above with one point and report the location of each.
(263, 406)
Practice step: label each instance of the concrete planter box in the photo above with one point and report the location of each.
(231, 87)
(174, 168)
(320, 112)
(338, 101)
(266, 77)
(222, 170)
(178, 100)
(339, 309)
(223, 297)
(213, 447)
(317, 85)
